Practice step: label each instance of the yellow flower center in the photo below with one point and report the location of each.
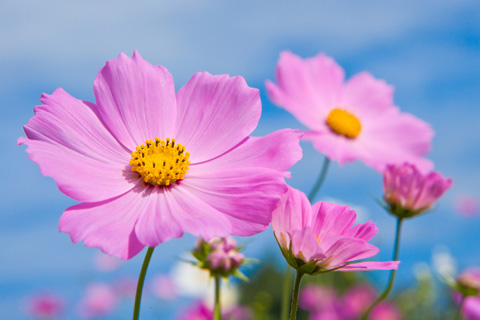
(160, 162)
(344, 123)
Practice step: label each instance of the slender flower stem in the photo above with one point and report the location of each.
(217, 313)
(287, 280)
(392, 273)
(296, 290)
(459, 311)
(320, 180)
(141, 280)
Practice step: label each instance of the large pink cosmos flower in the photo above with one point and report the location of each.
(148, 165)
(322, 238)
(349, 120)
(408, 192)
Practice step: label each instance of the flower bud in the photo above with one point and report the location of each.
(408, 192)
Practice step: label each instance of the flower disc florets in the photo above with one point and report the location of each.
(344, 123)
(160, 162)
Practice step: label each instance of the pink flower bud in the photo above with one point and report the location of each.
(409, 192)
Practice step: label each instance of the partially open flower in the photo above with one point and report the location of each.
(220, 256)
(321, 238)
(408, 192)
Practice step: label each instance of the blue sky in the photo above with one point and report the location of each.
(429, 50)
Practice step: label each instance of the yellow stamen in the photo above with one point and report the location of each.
(160, 163)
(344, 123)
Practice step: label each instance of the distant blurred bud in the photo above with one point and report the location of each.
(220, 256)
(45, 306)
(468, 283)
(408, 192)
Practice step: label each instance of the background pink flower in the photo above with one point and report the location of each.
(349, 120)
(323, 235)
(213, 180)
(467, 205)
(45, 306)
(99, 300)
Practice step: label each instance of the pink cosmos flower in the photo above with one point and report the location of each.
(408, 192)
(349, 120)
(322, 238)
(149, 165)
(45, 306)
(99, 301)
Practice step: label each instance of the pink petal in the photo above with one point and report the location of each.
(333, 146)
(74, 124)
(305, 246)
(371, 265)
(329, 219)
(394, 138)
(308, 88)
(348, 249)
(77, 176)
(247, 196)
(278, 150)
(364, 93)
(136, 100)
(215, 113)
(294, 213)
(172, 211)
(108, 225)
(363, 231)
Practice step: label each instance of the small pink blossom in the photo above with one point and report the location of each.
(99, 300)
(45, 306)
(467, 205)
(224, 256)
(409, 192)
(163, 287)
(322, 238)
(349, 120)
(320, 301)
(148, 164)
(357, 299)
(201, 312)
(385, 311)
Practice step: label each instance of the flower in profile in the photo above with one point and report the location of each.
(408, 192)
(321, 238)
(349, 120)
(149, 165)
(45, 306)
(99, 300)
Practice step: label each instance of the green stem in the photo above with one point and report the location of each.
(320, 180)
(217, 311)
(296, 290)
(392, 273)
(287, 280)
(141, 280)
(459, 311)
